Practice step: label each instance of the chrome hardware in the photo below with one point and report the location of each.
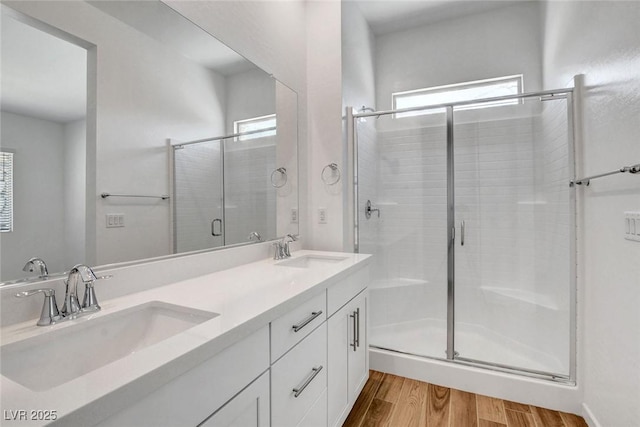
(283, 175)
(314, 372)
(354, 316)
(334, 177)
(285, 244)
(357, 335)
(279, 251)
(163, 197)
(71, 306)
(37, 263)
(587, 180)
(50, 313)
(461, 233)
(368, 209)
(306, 321)
(254, 235)
(213, 227)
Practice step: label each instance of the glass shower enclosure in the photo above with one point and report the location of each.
(470, 216)
(224, 190)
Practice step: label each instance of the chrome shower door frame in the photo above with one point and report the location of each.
(451, 355)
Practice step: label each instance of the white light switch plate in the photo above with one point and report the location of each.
(632, 226)
(322, 215)
(115, 220)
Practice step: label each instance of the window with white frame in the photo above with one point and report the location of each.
(6, 192)
(254, 126)
(479, 89)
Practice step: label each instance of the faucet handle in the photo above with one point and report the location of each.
(50, 313)
(279, 250)
(90, 301)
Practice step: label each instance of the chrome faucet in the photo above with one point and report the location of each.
(71, 305)
(279, 250)
(254, 235)
(282, 250)
(286, 240)
(71, 308)
(34, 264)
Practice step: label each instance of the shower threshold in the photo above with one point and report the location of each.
(557, 378)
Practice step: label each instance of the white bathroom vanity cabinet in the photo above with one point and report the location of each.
(288, 347)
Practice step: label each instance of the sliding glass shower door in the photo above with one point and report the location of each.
(470, 217)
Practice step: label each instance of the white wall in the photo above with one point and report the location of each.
(249, 94)
(75, 184)
(358, 90)
(601, 40)
(496, 43)
(324, 135)
(38, 180)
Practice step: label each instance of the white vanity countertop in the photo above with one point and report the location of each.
(246, 298)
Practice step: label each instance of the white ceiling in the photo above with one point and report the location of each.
(42, 75)
(387, 16)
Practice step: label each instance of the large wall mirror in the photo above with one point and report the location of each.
(129, 133)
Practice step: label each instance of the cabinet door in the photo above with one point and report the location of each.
(250, 408)
(358, 345)
(337, 360)
(347, 358)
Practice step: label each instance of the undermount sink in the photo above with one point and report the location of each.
(308, 261)
(54, 358)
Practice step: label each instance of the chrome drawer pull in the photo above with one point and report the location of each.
(358, 327)
(306, 321)
(298, 391)
(354, 316)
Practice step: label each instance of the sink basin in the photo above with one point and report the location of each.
(54, 358)
(308, 261)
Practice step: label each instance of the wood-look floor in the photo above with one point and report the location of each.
(392, 401)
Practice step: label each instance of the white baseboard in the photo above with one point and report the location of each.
(589, 417)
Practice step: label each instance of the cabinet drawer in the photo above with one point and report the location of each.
(317, 415)
(288, 330)
(303, 369)
(343, 291)
(193, 396)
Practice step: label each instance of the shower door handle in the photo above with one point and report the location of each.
(461, 233)
(213, 227)
(369, 209)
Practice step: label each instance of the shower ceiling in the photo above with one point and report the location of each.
(387, 16)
